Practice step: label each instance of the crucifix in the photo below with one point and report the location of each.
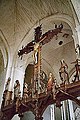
(35, 46)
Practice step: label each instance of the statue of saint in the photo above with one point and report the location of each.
(77, 67)
(63, 72)
(17, 94)
(50, 82)
(16, 89)
(77, 50)
(25, 92)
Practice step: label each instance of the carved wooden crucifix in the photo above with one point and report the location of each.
(35, 46)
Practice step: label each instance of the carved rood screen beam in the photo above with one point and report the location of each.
(70, 91)
(41, 94)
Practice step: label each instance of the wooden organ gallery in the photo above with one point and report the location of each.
(38, 95)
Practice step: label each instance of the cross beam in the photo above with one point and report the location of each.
(70, 91)
(43, 39)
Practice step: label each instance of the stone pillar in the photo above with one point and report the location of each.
(9, 72)
(76, 5)
(76, 37)
(78, 45)
(78, 33)
(72, 115)
(63, 110)
(52, 113)
(7, 95)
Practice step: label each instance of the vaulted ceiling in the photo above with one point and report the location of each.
(18, 17)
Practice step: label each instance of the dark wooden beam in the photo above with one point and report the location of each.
(70, 91)
(45, 38)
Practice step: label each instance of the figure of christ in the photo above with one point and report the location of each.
(37, 68)
(36, 46)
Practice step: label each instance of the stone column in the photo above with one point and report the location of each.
(76, 5)
(72, 115)
(76, 38)
(78, 33)
(78, 45)
(9, 71)
(63, 111)
(7, 95)
(52, 112)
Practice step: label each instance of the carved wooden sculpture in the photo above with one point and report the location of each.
(77, 67)
(63, 71)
